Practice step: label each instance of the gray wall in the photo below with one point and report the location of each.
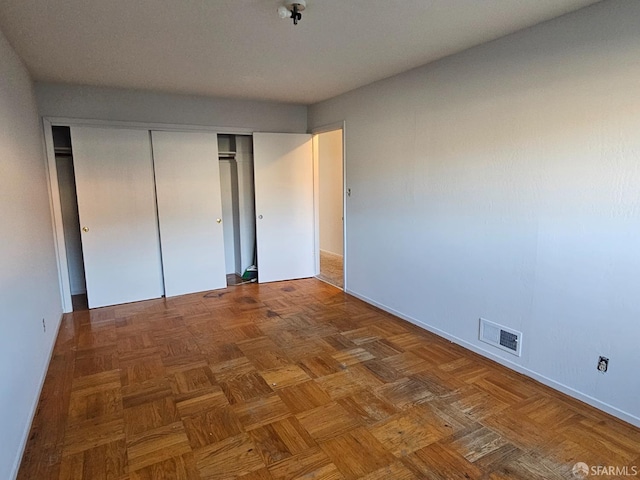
(99, 103)
(29, 290)
(504, 183)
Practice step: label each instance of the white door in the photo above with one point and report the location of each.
(189, 211)
(283, 166)
(117, 209)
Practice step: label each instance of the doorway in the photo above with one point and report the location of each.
(328, 147)
(235, 154)
(70, 218)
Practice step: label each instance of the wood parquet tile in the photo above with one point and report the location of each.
(331, 268)
(296, 380)
(313, 463)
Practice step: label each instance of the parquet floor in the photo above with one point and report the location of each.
(331, 268)
(296, 380)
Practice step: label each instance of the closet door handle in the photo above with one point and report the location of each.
(85, 229)
(260, 217)
(218, 220)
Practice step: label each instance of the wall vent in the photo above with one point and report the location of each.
(501, 337)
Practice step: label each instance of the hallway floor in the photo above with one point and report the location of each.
(331, 269)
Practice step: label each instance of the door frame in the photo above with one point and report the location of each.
(53, 187)
(332, 127)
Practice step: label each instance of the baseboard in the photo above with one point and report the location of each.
(34, 406)
(594, 402)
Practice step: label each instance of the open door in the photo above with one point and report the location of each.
(117, 210)
(283, 170)
(189, 211)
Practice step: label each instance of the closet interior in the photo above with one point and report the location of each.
(235, 153)
(70, 219)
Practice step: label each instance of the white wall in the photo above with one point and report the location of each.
(29, 289)
(99, 103)
(505, 182)
(330, 193)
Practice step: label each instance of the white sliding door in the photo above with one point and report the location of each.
(189, 211)
(117, 209)
(283, 167)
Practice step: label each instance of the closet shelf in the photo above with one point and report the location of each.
(62, 150)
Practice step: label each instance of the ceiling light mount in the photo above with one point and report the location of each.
(292, 9)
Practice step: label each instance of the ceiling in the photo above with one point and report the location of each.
(241, 48)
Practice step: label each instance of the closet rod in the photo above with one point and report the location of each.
(62, 150)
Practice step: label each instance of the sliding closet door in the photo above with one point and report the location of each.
(189, 211)
(283, 167)
(117, 209)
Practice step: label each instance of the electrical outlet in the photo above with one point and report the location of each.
(603, 364)
(44, 326)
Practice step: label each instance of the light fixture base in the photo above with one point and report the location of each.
(292, 9)
(302, 4)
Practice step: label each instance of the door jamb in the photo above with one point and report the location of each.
(56, 213)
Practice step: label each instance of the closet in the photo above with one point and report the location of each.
(235, 153)
(63, 157)
(166, 213)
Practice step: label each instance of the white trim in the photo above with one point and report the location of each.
(571, 392)
(344, 205)
(34, 407)
(316, 201)
(66, 121)
(58, 226)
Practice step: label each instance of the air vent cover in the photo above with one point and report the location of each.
(501, 337)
